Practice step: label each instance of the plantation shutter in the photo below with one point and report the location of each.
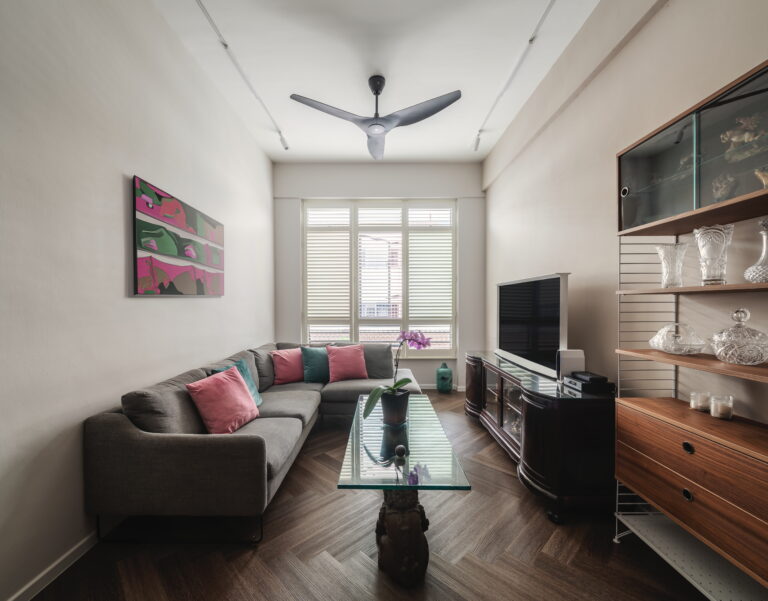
(430, 275)
(375, 267)
(327, 281)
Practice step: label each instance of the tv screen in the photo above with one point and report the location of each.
(530, 320)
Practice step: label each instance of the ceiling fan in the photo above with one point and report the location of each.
(376, 127)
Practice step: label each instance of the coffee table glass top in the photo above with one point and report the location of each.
(429, 463)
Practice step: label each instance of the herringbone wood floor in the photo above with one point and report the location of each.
(492, 543)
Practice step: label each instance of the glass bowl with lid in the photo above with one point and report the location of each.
(678, 339)
(740, 344)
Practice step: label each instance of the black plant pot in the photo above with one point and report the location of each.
(394, 407)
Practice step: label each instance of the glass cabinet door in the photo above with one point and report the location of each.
(734, 142)
(511, 410)
(656, 178)
(491, 394)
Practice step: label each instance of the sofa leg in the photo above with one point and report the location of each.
(254, 540)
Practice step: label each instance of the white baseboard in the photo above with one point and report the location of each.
(49, 574)
(433, 386)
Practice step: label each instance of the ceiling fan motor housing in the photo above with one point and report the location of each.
(376, 83)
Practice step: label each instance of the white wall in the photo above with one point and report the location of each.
(551, 181)
(296, 181)
(93, 92)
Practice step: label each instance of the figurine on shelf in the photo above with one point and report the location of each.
(745, 140)
(762, 174)
(723, 186)
(686, 162)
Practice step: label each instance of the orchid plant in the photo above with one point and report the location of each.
(415, 339)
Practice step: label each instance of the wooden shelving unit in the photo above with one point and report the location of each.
(740, 208)
(696, 289)
(690, 486)
(756, 373)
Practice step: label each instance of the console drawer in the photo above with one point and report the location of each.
(738, 478)
(738, 535)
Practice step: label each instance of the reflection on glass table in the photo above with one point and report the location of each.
(370, 460)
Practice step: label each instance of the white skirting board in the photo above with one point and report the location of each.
(713, 575)
(433, 386)
(39, 582)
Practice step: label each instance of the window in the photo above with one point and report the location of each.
(373, 268)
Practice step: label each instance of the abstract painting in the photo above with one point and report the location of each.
(179, 250)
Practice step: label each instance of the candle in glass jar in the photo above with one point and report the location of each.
(721, 406)
(700, 401)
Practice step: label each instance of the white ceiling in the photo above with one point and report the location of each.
(327, 49)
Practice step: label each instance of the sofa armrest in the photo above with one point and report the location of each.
(132, 472)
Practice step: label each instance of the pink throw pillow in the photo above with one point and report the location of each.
(346, 362)
(289, 366)
(223, 401)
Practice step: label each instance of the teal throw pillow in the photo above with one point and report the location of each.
(315, 364)
(246, 373)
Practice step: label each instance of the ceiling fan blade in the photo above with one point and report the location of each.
(376, 146)
(417, 112)
(327, 108)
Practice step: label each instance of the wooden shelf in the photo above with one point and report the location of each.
(740, 208)
(696, 289)
(756, 373)
(746, 436)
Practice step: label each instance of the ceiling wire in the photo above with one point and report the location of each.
(516, 68)
(239, 68)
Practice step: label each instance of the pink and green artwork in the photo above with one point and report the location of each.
(179, 250)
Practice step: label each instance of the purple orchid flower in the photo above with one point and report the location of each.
(415, 339)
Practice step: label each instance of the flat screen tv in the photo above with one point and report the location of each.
(533, 321)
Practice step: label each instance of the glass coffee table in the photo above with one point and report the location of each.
(401, 461)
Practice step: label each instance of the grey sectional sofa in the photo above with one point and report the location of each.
(153, 456)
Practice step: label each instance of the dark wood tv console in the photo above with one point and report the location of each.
(561, 440)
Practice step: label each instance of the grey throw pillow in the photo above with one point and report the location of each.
(264, 366)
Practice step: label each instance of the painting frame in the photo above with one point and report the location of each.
(178, 249)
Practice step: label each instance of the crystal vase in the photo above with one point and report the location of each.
(713, 244)
(758, 273)
(671, 256)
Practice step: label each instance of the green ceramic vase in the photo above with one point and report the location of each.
(444, 378)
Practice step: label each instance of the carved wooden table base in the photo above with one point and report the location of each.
(403, 548)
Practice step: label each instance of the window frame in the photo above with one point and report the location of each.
(354, 321)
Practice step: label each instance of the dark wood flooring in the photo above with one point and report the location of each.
(492, 543)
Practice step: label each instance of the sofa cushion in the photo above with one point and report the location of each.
(224, 401)
(348, 391)
(280, 434)
(284, 346)
(297, 386)
(315, 361)
(264, 366)
(301, 405)
(346, 362)
(241, 366)
(245, 356)
(166, 407)
(288, 366)
(379, 361)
